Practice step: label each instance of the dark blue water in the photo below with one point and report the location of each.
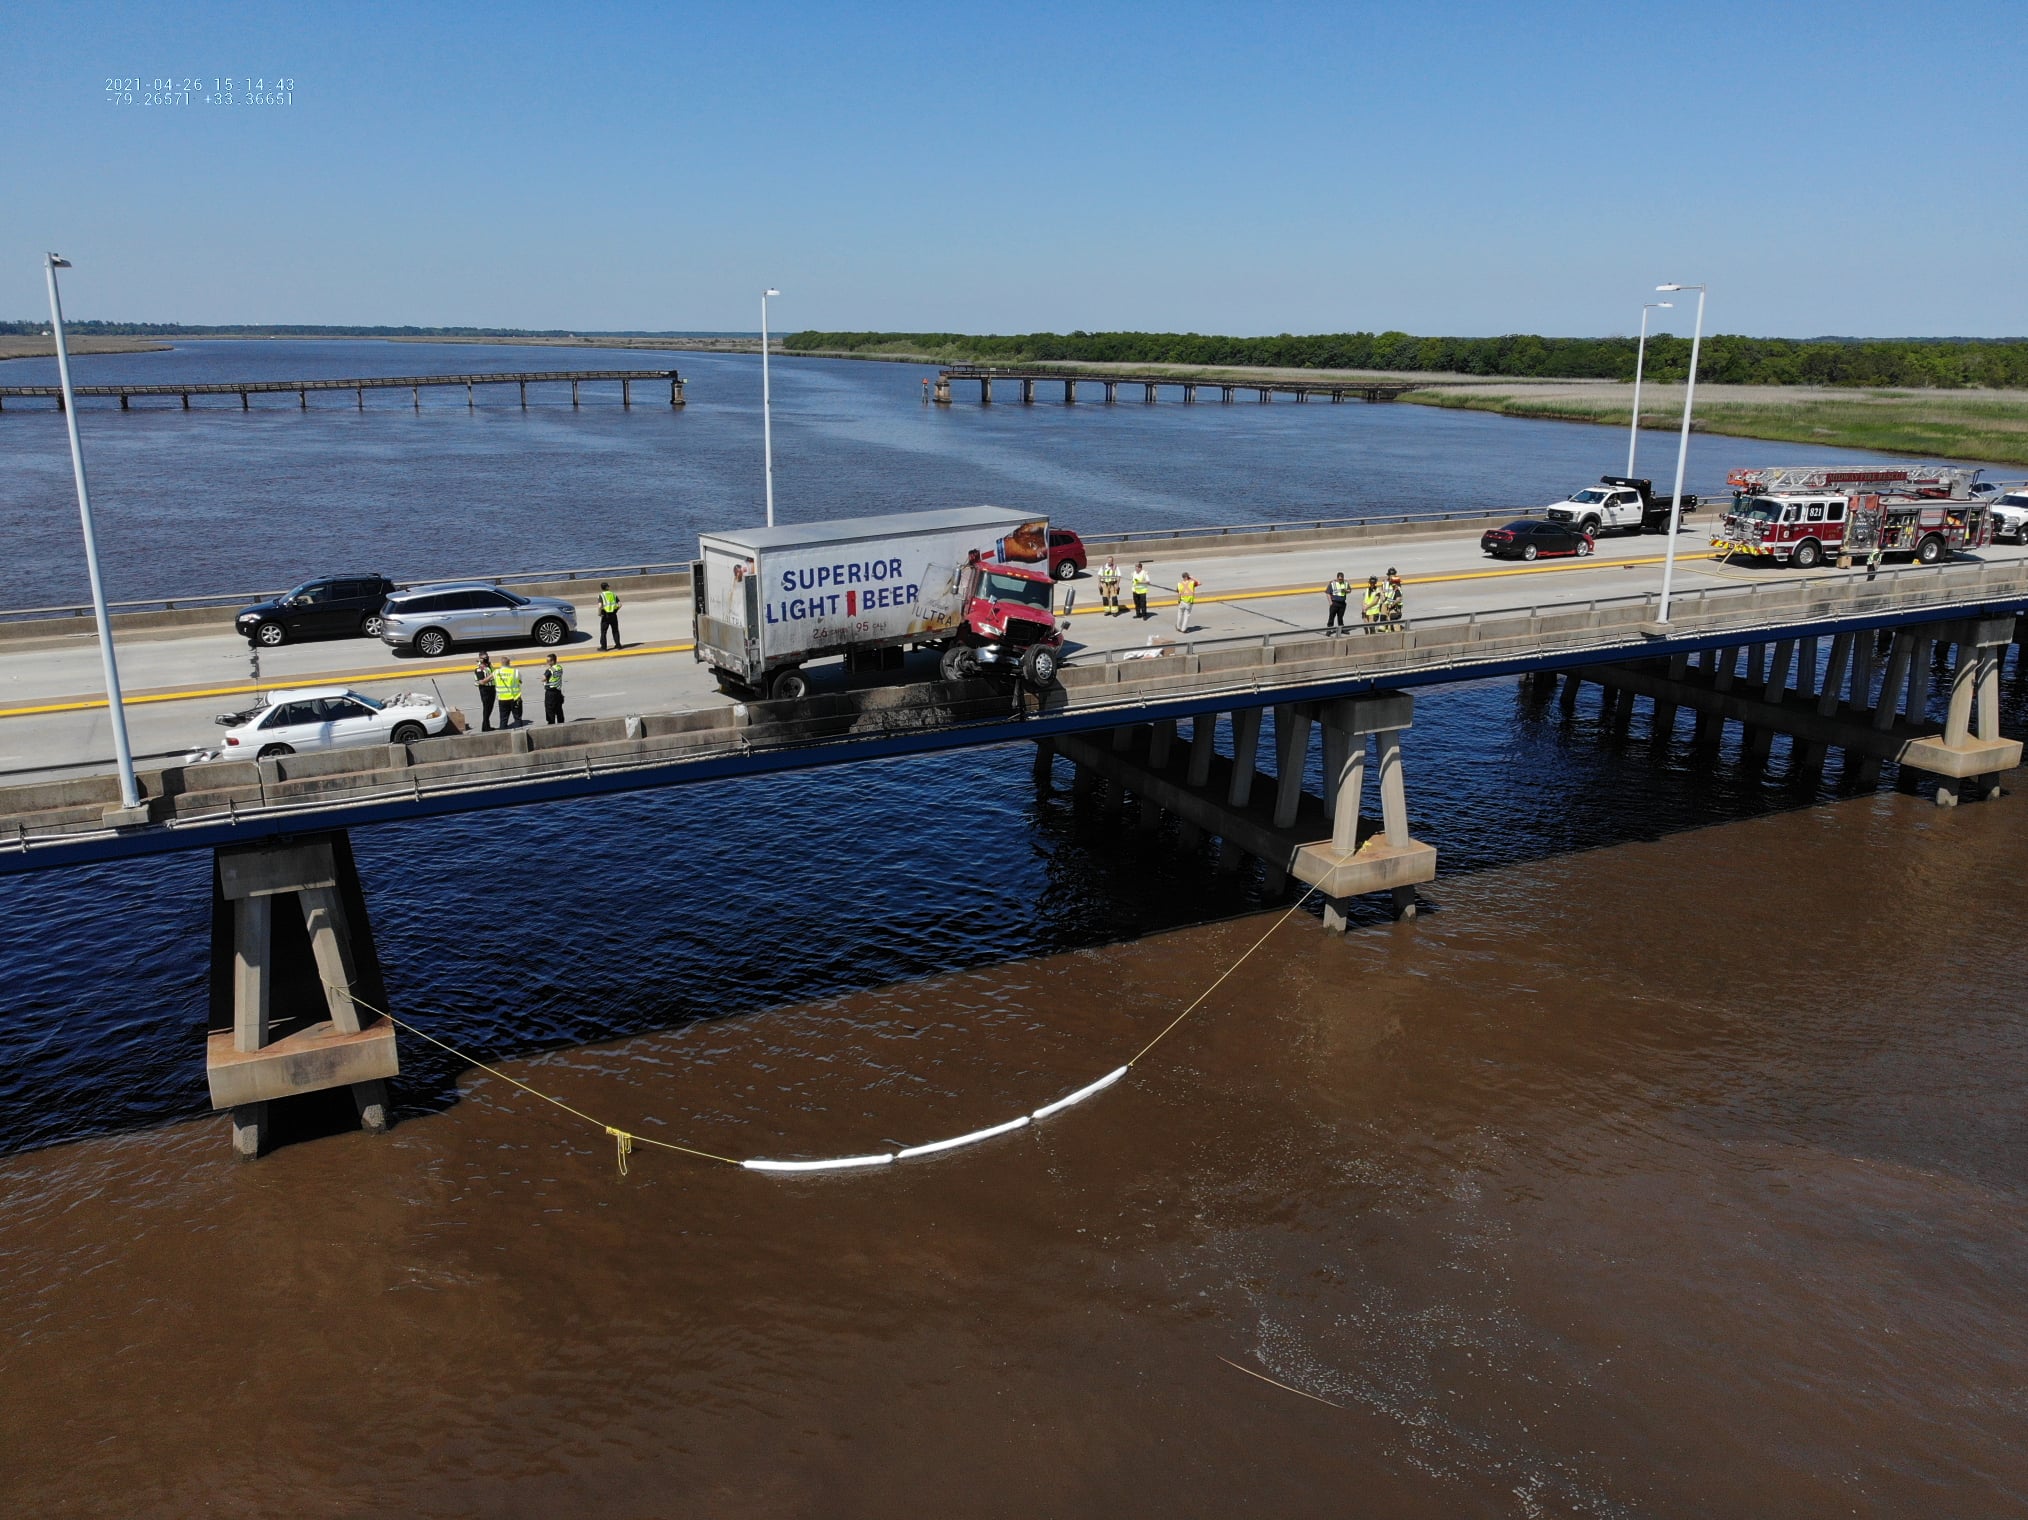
(561, 924)
(216, 500)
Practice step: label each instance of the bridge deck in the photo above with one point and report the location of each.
(245, 388)
(195, 807)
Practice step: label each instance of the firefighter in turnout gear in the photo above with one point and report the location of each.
(552, 692)
(1109, 587)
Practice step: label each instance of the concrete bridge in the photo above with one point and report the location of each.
(1215, 730)
(413, 384)
(1152, 384)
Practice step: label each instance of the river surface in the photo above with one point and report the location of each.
(216, 500)
(1673, 1162)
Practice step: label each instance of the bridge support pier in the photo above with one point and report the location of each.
(942, 394)
(1325, 843)
(290, 948)
(1028, 393)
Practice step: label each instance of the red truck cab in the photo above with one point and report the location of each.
(1009, 621)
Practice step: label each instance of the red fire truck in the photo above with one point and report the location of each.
(1803, 515)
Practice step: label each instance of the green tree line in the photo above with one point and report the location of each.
(2000, 363)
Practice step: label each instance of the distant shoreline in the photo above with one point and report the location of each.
(36, 346)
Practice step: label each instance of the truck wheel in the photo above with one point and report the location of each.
(1038, 666)
(958, 664)
(1930, 550)
(789, 685)
(1590, 526)
(1809, 554)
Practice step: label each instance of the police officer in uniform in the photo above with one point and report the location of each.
(507, 686)
(552, 692)
(1340, 592)
(609, 615)
(483, 674)
(1141, 584)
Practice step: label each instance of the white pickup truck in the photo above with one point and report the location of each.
(1617, 502)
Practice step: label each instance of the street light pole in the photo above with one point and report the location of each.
(767, 410)
(1682, 451)
(130, 793)
(1640, 356)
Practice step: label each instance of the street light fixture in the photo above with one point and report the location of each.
(1640, 355)
(767, 418)
(1682, 451)
(130, 794)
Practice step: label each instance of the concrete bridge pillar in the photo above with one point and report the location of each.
(941, 395)
(1203, 735)
(290, 948)
(1069, 391)
(1245, 748)
(1292, 751)
(1224, 392)
(1045, 762)
(1112, 391)
(1028, 393)
(985, 390)
(1150, 396)
(1159, 741)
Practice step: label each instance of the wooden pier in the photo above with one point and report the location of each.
(1151, 386)
(246, 390)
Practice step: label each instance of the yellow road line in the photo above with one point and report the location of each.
(293, 683)
(192, 693)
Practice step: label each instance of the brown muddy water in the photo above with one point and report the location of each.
(1676, 1178)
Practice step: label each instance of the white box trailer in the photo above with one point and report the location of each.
(769, 600)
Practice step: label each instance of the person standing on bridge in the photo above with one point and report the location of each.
(1873, 557)
(1109, 587)
(483, 674)
(552, 692)
(1186, 600)
(1340, 592)
(609, 616)
(1373, 606)
(507, 686)
(1141, 583)
(1395, 597)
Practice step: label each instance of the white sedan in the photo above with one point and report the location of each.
(328, 717)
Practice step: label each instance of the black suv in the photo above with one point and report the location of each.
(338, 606)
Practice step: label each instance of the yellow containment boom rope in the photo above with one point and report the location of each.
(625, 1140)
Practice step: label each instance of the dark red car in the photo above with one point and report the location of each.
(1532, 538)
(1066, 553)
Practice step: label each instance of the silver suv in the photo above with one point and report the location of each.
(429, 619)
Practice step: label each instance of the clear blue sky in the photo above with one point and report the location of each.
(1437, 167)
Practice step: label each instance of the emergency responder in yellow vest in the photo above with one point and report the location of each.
(1374, 604)
(1396, 600)
(507, 686)
(609, 615)
(552, 692)
(1340, 592)
(1186, 600)
(483, 674)
(1141, 583)
(1109, 587)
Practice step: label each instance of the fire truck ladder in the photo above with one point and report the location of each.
(1950, 480)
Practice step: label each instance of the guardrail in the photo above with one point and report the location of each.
(1204, 673)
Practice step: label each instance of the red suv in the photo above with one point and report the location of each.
(1066, 553)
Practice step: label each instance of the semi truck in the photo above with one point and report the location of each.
(1618, 502)
(972, 583)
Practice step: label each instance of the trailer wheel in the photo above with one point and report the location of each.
(1809, 554)
(958, 664)
(1930, 550)
(789, 685)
